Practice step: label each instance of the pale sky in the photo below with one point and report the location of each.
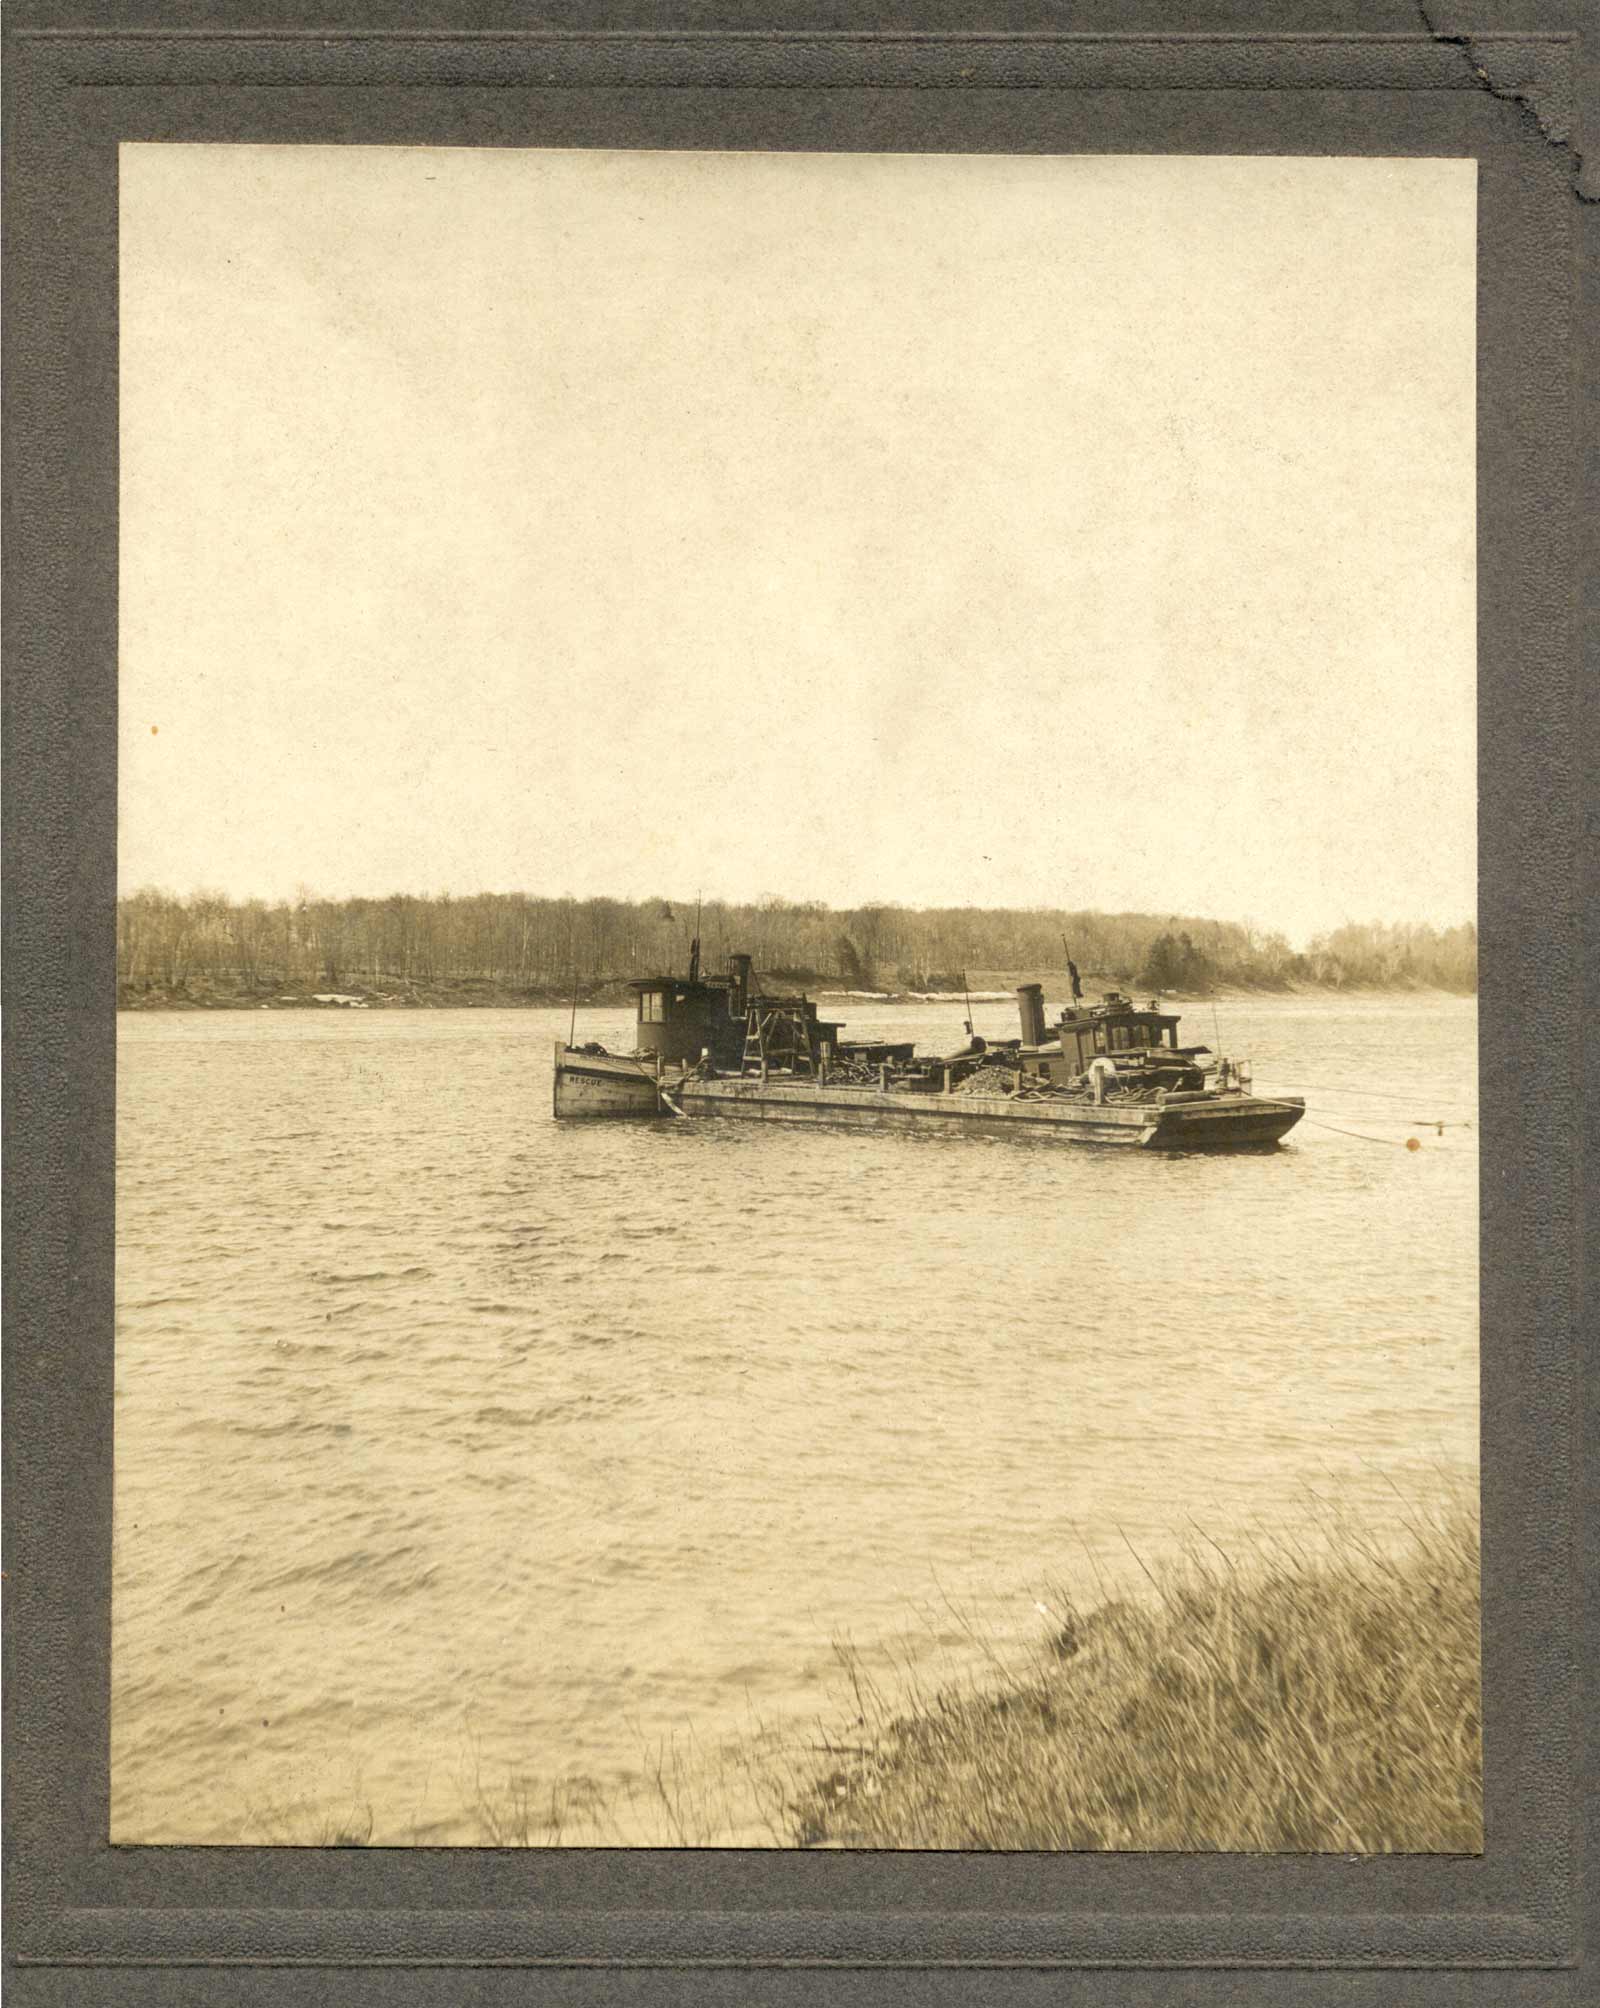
(1079, 531)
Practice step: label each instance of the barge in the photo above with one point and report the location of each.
(1106, 1073)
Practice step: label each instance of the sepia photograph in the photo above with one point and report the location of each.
(797, 1056)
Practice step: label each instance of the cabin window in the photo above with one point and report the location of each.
(1119, 1036)
(1099, 1038)
(650, 1008)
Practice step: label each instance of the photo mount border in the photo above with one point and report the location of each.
(75, 93)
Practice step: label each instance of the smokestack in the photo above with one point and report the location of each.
(1030, 1006)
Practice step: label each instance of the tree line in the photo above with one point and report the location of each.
(173, 946)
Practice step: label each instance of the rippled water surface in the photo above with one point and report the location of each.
(461, 1452)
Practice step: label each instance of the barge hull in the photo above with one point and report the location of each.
(1240, 1122)
(1244, 1124)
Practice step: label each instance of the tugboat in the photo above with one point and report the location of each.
(1104, 1073)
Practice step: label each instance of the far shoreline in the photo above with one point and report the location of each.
(473, 994)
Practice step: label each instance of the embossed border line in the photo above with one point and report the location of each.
(883, 1939)
(779, 59)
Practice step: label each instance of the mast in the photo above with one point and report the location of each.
(572, 952)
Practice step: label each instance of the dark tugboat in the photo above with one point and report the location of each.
(1103, 1073)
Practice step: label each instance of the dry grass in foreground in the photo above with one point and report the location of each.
(1291, 1702)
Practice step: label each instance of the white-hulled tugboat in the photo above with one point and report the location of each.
(1104, 1073)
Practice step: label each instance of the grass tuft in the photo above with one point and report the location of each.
(1288, 1702)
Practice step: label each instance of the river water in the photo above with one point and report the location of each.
(466, 1462)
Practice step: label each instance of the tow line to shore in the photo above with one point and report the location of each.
(1395, 1142)
(1360, 1135)
(1367, 1094)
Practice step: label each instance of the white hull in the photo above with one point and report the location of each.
(597, 1086)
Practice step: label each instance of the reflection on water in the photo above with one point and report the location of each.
(452, 1441)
